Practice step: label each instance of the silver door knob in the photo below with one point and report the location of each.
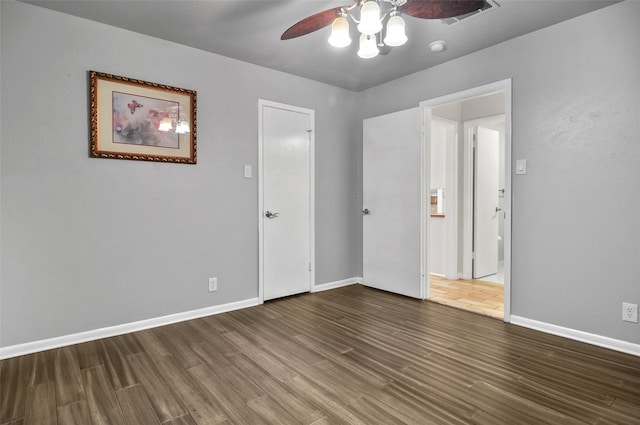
(366, 211)
(270, 214)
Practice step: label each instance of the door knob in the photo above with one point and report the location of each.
(270, 214)
(366, 211)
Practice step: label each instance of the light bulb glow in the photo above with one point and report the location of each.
(368, 46)
(340, 32)
(395, 32)
(370, 18)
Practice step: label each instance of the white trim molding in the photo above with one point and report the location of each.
(593, 339)
(61, 341)
(337, 284)
(427, 105)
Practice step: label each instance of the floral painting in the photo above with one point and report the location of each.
(135, 119)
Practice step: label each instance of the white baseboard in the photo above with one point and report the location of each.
(61, 341)
(337, 284)
(600, 341)
(47, 344)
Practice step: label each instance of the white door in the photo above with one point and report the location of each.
(486, 211)
(392, 203)
(286, 136)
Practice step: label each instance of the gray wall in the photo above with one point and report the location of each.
(89, 243)
(576, 119)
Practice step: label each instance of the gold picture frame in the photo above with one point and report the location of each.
(135, 119)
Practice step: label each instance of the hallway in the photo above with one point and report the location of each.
(482, 297)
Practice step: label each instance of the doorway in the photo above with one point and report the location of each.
(286, 200)
(475, 112)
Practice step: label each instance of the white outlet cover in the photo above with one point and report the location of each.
(630, 312)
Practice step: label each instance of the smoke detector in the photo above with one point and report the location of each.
(437, 46)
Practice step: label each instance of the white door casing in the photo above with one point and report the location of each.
(485, 202)
(286, 200)
(392, 167)
(442, 127)
(428, 106)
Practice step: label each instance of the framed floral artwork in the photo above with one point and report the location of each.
(135, 119)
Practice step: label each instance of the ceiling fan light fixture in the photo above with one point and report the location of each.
(380, 22)
(396, 35)
(340, 32)
(368, 46)
(370, 18)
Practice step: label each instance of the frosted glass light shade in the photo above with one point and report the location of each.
(340, 32)
(368, 46)
(370, 18)
(395, 32)
(165, 124)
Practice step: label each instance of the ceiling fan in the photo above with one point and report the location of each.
(371, 18)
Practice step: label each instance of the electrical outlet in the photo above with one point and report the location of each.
(630, 312)
(213, 284)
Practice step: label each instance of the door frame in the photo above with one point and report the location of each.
(451, 197)
(262, 103)
(427, 107)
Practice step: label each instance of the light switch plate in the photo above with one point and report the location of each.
(248, 172)
(521, 166)
(213, 284)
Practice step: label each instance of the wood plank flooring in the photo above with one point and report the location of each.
(480, 297)
(352, 355)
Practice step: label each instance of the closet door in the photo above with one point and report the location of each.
(286, 222)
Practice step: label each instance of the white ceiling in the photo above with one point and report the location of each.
(249, 30)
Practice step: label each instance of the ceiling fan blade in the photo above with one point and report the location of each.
(311, 23)
(439, 9)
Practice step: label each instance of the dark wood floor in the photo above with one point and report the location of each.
(353, 355)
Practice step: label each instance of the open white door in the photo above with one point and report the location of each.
(486, 211)
(392, 202)
(286, 201)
